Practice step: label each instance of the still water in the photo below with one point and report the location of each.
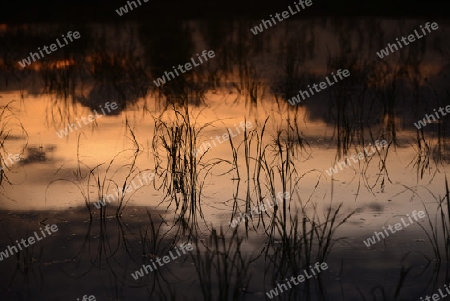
(216, 157)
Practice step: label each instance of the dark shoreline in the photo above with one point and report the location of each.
(105, 11)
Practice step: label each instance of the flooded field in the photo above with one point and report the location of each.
(197, 160)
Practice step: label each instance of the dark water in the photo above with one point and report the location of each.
(221, 141)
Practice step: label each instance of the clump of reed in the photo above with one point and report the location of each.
(252, 137)
(179, 167)
(222, 269)
(382, 172)
(421, 161)
(297, 234)
(10, 128)
(269, 165)
(438, 233)
(307, 238)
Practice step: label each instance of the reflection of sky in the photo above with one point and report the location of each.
(381, 197)
(100, 144)
(101, 140)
